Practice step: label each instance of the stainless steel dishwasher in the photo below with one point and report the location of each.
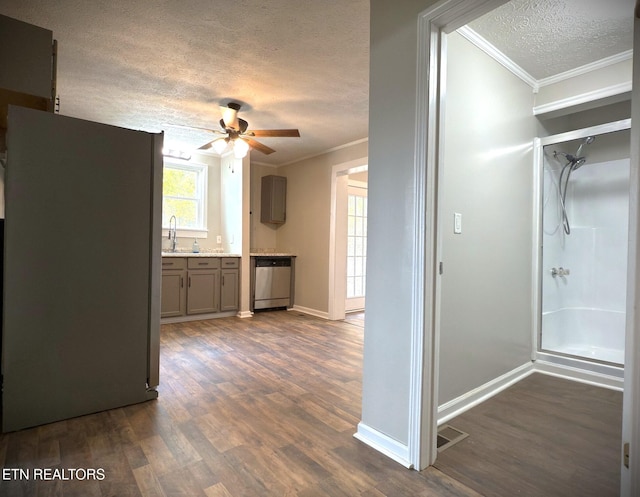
(272, 283)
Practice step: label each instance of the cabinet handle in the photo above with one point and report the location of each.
(202, 263)
(181, 282)
(189, 281)
(223, 280)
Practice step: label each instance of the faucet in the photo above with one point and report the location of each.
(173, 233)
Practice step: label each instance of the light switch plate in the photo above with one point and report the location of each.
(457, 223)
(219, 239)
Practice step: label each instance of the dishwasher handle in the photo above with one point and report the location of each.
(273, 262)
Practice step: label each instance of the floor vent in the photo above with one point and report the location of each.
(448, 436)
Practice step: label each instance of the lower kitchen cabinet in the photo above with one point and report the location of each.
(199, 285)
(174, 292)
(203, 288)
(203, 291)
(229, 289)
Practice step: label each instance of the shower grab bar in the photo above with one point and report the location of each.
(560, 272)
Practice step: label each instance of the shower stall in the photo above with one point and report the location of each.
(582, 250)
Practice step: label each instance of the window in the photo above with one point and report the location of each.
(184, 194)
(356, 243)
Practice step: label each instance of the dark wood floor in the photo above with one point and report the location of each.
(543, 437)
(265, 406)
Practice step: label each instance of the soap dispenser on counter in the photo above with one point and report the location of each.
(196, 248)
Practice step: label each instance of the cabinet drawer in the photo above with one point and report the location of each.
(203, 263)
(174, 263)
(230, 262)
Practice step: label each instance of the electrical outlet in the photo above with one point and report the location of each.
(219, 239)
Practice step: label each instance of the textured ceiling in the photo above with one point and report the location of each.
(548, 37)
(143, 64)
(292, 63)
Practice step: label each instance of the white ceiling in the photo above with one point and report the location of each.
(292, 63)
(549, 37)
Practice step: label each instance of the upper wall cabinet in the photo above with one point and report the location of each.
(27, 59)
(273, 200)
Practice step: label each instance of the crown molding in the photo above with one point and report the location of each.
(498, 56)
(518, 71)
(587, 68)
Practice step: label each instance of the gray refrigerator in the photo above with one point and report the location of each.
(81, 304)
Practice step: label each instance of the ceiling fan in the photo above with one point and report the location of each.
(237, 136)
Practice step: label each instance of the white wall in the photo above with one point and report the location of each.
(604, 83)
(392, 232)
(486, 294)
(231, 204)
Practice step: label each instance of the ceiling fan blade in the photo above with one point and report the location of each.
(207, 146)
(256, 145)
(266, 133)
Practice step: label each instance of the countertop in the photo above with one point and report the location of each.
(219, 254)
(199, 254)
(271, 254)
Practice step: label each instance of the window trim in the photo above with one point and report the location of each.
(202, 187)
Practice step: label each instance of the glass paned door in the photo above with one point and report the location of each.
(356, 247)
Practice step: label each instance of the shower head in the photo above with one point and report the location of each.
(578, 162)
(573, 161)
(587, 141)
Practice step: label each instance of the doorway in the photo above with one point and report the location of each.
(354, 172)
(356, 242)
(432, 29)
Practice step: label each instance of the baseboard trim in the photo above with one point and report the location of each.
(580, 375)
(311, 312)
(384, 444)
(478, 395)
(245, 314)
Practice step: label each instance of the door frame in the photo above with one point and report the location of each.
(338, 235)
(443, 17)
(630, 477)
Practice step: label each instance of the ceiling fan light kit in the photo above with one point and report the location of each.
(220, 145)
(240, 148)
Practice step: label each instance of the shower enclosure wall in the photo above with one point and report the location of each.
(584, 264)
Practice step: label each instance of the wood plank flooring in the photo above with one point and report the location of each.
(542, 437)
(265, 406)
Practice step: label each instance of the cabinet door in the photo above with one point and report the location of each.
(203, 293)
(274, 199)
(173, 293)
(229, 290)
(26, 59)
